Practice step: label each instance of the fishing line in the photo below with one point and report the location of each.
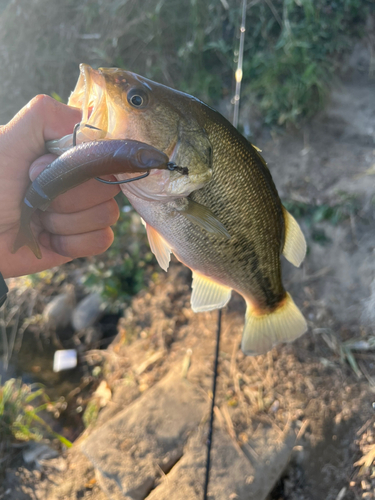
(211, 427)
(77, 126)
(123, 181)
(238, 77)
(170, 165)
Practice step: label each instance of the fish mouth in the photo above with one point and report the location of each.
(90, 97)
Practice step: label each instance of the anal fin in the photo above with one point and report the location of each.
(159, 247)
(295, 244)
(263, 331)
(208, 295)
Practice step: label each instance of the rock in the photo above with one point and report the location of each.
(234, 473)
(37, 453)
(88, 311)
(160, 435)
(130, 451)
(57, 313)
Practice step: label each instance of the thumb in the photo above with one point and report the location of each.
(42, 119)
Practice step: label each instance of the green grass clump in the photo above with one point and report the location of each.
(293, 53)
(347, 206)
(292, 49)
(20, 420)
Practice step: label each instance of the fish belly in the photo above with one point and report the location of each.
(231, 263)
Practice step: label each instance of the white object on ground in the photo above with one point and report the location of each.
(64, 360)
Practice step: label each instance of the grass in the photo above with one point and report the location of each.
(292, 50)
(346, 207)
(20, 419)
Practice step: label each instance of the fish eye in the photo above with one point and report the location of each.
(137, 98)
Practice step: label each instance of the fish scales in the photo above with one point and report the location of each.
(250, 261)
(224, 220)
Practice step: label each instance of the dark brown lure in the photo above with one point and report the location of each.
(79, 164)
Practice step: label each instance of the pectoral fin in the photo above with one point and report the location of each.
(203, 217)
(158, 247)
(295, 244)
(208, 295)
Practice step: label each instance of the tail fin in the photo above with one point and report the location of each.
(24, 237)
(262, 332)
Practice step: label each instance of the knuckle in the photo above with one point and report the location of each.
(113, 212)
(49, 222)
(40, 101)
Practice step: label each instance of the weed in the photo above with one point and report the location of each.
(346, 207)
(20, 420)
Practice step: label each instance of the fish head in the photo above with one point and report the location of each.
(118, 104)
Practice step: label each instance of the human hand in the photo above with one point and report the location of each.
(77, 223)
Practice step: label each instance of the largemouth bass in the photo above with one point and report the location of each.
(224, 220)
(77, 165)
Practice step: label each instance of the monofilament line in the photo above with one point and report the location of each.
(210, 430)
(238, 77)
(238, 74)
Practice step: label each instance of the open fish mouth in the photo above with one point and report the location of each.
(102, 95)
(90, 96)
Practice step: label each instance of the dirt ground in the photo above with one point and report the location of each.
(323, 385)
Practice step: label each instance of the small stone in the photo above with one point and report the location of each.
(35, 453)
(58, 311)
(275, 406)
(88, 311)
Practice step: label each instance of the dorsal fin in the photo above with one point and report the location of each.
(295, 244)
(257, 152)
(158, 246)
(208, 295)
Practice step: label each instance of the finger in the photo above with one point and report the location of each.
(77, 199)
(92, 219)
(78, 245)
(42, 119)
(40, 164)
(83, 197)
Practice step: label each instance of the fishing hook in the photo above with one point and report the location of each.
(125, 180)
(170, 165)
(76, 127)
